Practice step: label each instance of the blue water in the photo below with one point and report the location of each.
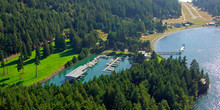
(96, 70)
(202, 44)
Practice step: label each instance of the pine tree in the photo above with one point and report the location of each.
(20, 65)
(46, 49)
(38, 51)
(24, 51)
(37, 62)
(62, 44)
(2, 61)
(75, 59)
(51, 47)
(77, 43)
(29, 49)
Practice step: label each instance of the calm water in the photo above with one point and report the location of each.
(202, 44)
(94, 71)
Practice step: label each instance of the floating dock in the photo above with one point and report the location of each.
(109, 68)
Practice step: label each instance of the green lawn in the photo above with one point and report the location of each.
(47, 67)
(159, 58)
(117, 52)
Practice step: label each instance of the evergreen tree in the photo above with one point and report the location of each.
(29, 50)
(20, 65)
(38, 53)
(37, 62)
(24, 51)
(2, 61)
(77, 43)
(62, 44)
(75, 59)
(46, 49)
(51, 47)
(153, 55)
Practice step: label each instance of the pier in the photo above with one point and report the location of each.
(173, 53)
(110, 65)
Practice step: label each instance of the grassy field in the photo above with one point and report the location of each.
(47, 66)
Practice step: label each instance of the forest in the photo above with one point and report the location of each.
(165, 85)
(211, 6)
(27, 23)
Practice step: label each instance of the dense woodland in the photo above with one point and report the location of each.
(26, 23)
(211, 6)
(165, 85)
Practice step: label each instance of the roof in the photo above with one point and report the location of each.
(77, 72)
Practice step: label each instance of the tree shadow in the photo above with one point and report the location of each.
(12, 63)
(29, 61)
(66, 53)
(2, 80)
(19, 83)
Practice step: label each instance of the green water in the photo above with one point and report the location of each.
(96, 70)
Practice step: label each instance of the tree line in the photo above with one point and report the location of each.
(154, 85)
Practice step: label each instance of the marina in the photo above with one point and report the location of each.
(78, 73)
(92, 69)
(112, 64)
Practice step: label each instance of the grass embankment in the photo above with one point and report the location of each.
(201, 19)
(159, 58)
(107, 52)
(47, 66)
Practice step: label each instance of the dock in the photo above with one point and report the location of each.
(173, 53)
(78, 73)
(110, 65)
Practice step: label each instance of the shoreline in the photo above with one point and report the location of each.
(50, 76)
(162, 35)
(60, 69)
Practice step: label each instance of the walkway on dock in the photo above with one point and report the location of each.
(173, 53)
(111, 64)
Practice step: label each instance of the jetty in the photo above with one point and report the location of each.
(173, 53)
(110, 67)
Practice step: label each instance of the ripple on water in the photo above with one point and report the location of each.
(202, 44)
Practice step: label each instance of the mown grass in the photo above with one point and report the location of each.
(47, 66)
(117, 52)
